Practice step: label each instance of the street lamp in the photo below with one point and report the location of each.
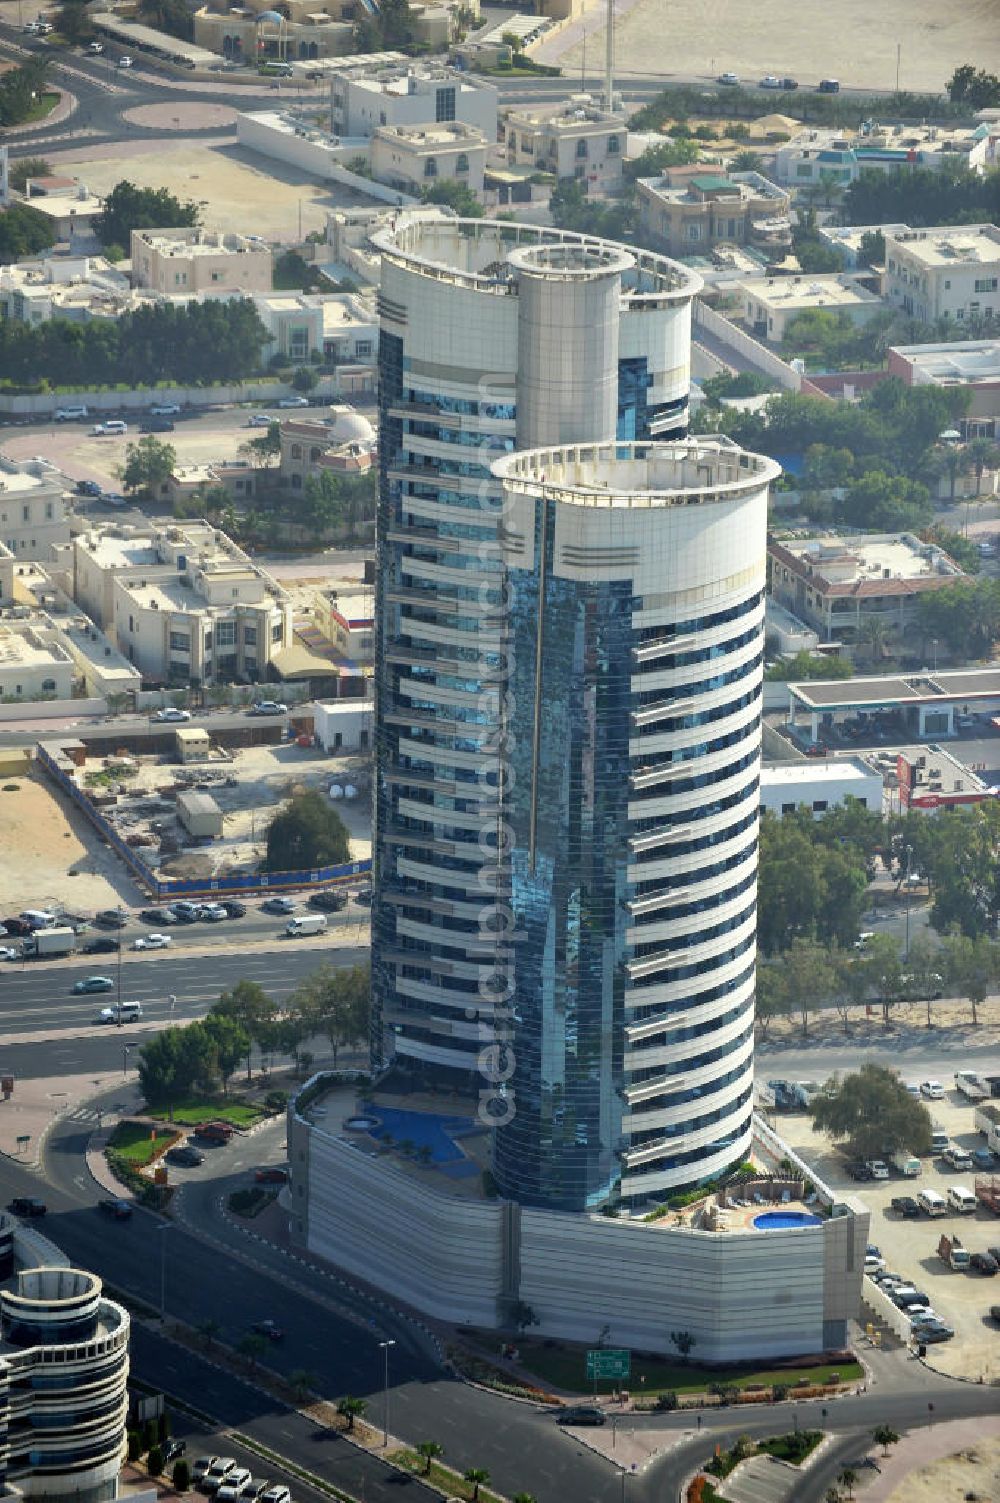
(125, 1049)
(385, 1345)
(164, 1227)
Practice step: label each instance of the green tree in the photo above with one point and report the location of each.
(302, 1382)
(304, 379)
(772, 999)
(970, 968)
(809, 978)
(351, 1409)
(208, 1330)
(21, 89)
(23, 232)
(884, 1436)
(248, 1004)
(571, 209)
(129, 208)
(230, 1041)
(28, 167)
(848, 1477)
(171, 16)
(657, 159)
(977, 89)
(154, 1461)
(181, 1476)
(456, 195)
(430, 1450)
(685, 1342)
(871, 248)
(264, 448)
(477, 1477)
(879, 502)
(148, 464)
(873, 1112)
(337, 1002)
(306, 832)
(807, 665)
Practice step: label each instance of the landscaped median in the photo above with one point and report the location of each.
(794, 1449)
(132, 1148)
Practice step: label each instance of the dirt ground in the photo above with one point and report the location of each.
(972, 1473)
(51, 855)
(241, 190)
(809, 39)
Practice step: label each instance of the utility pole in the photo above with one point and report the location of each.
(609, 58)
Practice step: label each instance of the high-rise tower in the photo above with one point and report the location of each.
(634, 589)
(494, 337)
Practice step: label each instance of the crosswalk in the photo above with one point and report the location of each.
(84, 1114)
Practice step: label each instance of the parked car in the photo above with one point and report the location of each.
(201, 1467)
(253, 1490)
(164, 409)
(213, 913)
(271, 1176)
(769, 82)
(217, 1473)
(124, 62)
(932, 1090)
(112, 428)
(268, 1328)
(27, 1205)
(790, 84)
(983, 1158)
(364, 897)
(268, 707)
(235, 1481)
(88, 488)
(277, 1494)
(17, 926)
(172, 1449)
(105, 945)
(186, 1155)
(9, 952)
(156, 425)
(983, 1262)
(905, 1205)
(157, 916)
(879, 1170)
(582, 1414)
(233, 909)
(71, 414)
(169, 713)
(294, 401)
(278, 905)
(730, 80)
(112, 918)
(118, 1210)
(152, 942)
(93, 984)
(185, 912)
(957, 1158)
(329, 901)
(260, 420)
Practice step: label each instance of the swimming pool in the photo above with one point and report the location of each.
(783, 1221)
(423, 1130)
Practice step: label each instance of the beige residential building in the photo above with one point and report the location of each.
(197, 261)
(949, 271)
(770, 303)
(34, 664)
(365, 95)
(33, 516)
(412, 157)
(182, 601)
(307, 29)
(692, 218)
(343, 444)
(577, 139)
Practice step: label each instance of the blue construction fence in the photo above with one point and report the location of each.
(169, 890)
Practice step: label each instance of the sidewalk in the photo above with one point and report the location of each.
(35, 1105)
(920, 1447)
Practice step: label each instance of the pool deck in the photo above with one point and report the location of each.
(735, 1218)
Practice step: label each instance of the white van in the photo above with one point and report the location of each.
(961, 1198)
(38, 918)
(70, 414)
(932, 1203)
(308, 923)
(129, 1012)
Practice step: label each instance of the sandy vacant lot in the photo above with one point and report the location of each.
(51, 855)
(972, 1473)
(809, 39)
(240, 190)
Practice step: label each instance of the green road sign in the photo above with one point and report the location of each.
(609, 1362)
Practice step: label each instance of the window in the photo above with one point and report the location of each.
(444, 104)
(225, 634)
(582, 150)
(363, 349)
(296, 451)
(276, 632)
(986, 284)
(179, 642)
(250, 636)
(694, 231)
(48, 511)
(25, 513)
(216, 276)
(48, 685)
(431, 167)
(819, 805)
(613, 146)
(462, 162)
(788, 808)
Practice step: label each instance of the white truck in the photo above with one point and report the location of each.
(988, 1123)
(906, 1163)
(971, 1085)
(46, 942)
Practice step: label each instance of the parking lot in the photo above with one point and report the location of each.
(909, 1247)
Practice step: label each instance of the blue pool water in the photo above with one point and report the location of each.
(782, 1221)
(424, 1130)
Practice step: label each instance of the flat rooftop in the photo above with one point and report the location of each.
(956, 363)
(117, 551)
(25, 648)
(872, 558)
(832, 770)
(200, 242)
(808, 292)
(922, 688)
(950, 245)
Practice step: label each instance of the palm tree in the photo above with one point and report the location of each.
(302, 1383)
(208, 1330)
(252, 1347)
(430, 1450)
(351, 1409)
(983, 455)
(477, 1476)
(847, 1479)
(875, 636)
(884, 1436)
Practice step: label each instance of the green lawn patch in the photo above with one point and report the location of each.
(251, 1202)
(42, 107)
(195, 1109)
(139, 1144)
(451, 1484)
(566, 1369)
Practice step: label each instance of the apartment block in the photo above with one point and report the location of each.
(193, 261)
(951, 271)
(182, 601)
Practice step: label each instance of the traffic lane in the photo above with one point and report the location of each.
(191, 1378)
(907, 1054)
